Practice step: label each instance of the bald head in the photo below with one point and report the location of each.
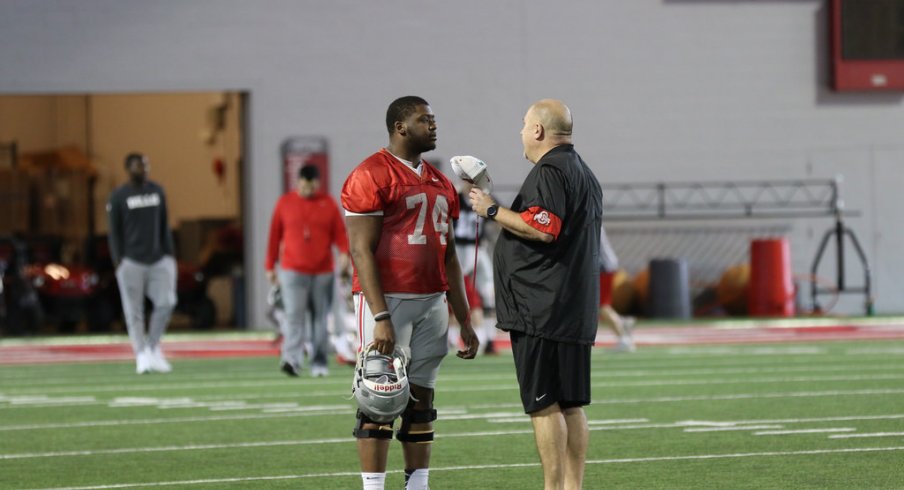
(554, 116)
(547, 124)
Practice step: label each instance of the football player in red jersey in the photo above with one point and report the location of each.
(398, 213)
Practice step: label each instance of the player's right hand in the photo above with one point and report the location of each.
(384, 337)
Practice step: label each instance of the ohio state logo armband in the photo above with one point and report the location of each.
(542, 220)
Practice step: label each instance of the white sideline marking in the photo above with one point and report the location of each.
(497, 415)
(488, 467)
(666, 370)
(877, 350)
(193, 447)
(197, 447)
(496, 387)
(746, 455)
(843, 418)
(522, 418)
(803, 431)
(163, 386)
(266, 407)
(42, 400)
(750, 396)
(751, 351)
(214, 406)
(732, 428)
(873, 434)
(42, 378)
(769, 380)
(602, 425)
(617, 421)
(816, 368)
(32, 401)
(709, 423)
(328, 410)
(111, 423)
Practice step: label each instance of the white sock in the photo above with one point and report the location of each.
(373, 481)
(418, 479)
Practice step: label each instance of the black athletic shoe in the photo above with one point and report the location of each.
(289, 369)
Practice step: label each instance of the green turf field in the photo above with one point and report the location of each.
(822, 415)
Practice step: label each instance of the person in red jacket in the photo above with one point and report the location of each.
(305, 227)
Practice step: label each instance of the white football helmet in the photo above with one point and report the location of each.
(381, 384)
(473, 170)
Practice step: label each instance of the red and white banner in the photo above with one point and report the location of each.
(298, 151)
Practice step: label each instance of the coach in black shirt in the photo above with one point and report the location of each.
(547, 287)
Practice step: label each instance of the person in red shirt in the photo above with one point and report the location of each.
(305, 227)
(399, 210)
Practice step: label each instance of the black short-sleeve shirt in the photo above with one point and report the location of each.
(551, 290)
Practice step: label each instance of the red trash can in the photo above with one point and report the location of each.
(771, 291)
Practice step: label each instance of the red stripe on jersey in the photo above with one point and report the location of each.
(361, 323)
(542, 220)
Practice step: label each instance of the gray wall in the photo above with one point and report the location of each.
(660, 89)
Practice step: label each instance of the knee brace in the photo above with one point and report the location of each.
(413, 416)
(384, 431)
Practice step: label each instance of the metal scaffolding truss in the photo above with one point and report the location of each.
(753, 199)
(721, 200)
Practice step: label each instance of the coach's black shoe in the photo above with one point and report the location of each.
(289, 369)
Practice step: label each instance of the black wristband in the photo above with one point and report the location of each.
(383, 315)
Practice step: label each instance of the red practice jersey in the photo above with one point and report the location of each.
(416, 211)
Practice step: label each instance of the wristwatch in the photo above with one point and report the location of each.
(491, 211)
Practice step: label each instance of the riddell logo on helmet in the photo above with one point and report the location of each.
(392, 387)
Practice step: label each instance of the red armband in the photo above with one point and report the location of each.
(542, 220)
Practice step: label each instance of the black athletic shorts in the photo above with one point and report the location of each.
(551, 372)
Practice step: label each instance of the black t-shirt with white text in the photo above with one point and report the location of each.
(139, 227)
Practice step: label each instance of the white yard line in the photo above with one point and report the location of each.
(843, 418)
(192, 447)
(803, 431)
(39, 379)
(872, 434)
(693, 457)
(747, 455)
(240, 445)
(762, 380)
(729, 350)
(601, 425)
(328, 410)
(749, 396)
(612, 421)
(275, 382)
(172, 420)
(732, 428)
(470, 388)
(270, 378)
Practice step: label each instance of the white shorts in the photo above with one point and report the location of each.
(421, 327)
